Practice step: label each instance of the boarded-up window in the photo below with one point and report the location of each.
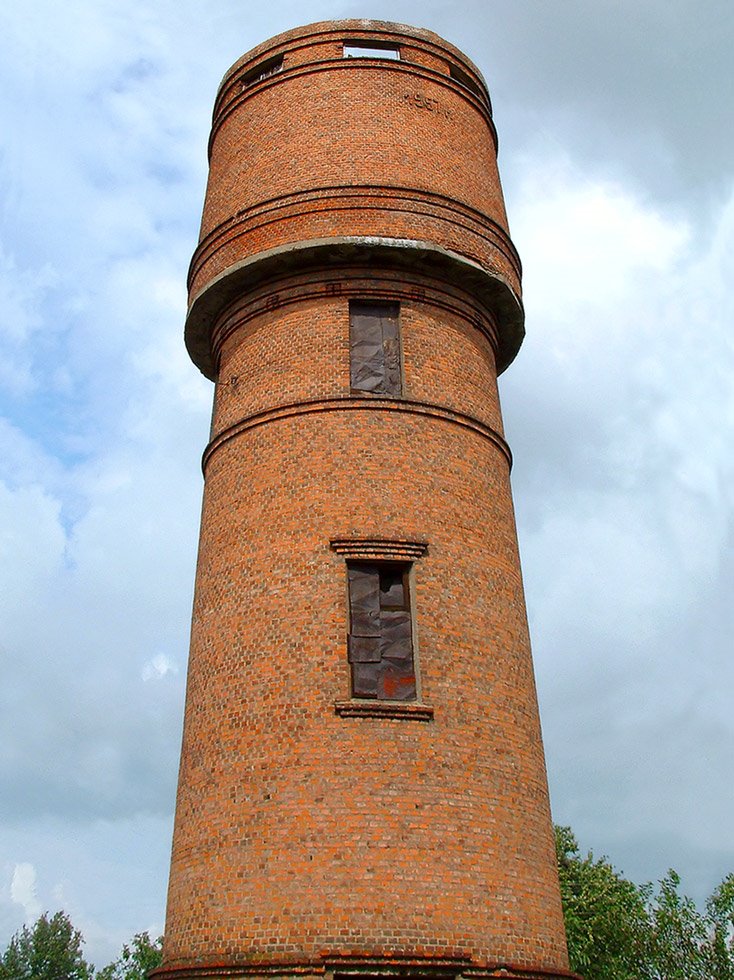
(374, 344)
(380, 633)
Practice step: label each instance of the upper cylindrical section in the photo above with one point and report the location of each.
(344, 133)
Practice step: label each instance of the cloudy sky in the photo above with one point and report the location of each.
(616, 154)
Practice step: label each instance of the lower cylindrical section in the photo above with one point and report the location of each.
(317, 831)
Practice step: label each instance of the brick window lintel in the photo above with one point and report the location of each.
(402, 710)
(374, 549)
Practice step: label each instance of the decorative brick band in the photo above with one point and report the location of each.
(417, 202)
(314, 49)
(357, 280)
(356, 964)
(459, 967)
(223, 971)
(512, 972)
(373, 549)
(411, 70)
(369, 404)
(304, 39)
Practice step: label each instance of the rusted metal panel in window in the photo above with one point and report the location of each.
(365, 649)
(366, 680)
(395, 639)
(367, 354)
(383, 681)
(397, 684)
(374, 336)
(391, 351)
(364, 600)
(380, 636)
(393, 588)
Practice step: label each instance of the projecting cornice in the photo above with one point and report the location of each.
(486, 287)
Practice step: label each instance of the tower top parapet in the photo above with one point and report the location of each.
(340, 139)
(355, 30)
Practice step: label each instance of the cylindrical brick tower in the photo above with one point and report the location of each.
(362, 787)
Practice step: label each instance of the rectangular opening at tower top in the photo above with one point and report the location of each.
(262, 71)
(460, 76)
(368, 49)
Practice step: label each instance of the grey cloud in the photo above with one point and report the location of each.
(638, 90)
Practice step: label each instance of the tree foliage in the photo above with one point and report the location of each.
(681, 940)
(606, 916)
(51, 949)
(136, 960)
(617, 930)
(720, 910)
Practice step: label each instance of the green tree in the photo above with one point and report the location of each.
(720, 912)
(607, 924)
(51, 949)
(136, 960)
(681, 936)
(617, 930)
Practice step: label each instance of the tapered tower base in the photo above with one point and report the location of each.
(366, 968)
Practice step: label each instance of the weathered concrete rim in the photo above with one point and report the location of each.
(490, 289)
(353, 26)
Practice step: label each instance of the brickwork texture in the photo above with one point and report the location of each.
(316, 833)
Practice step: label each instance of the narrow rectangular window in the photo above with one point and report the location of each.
(262, 71)
(380, 642)
(366, 49)
(374, 345)
(460, 76)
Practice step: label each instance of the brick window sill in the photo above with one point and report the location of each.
(402, 710)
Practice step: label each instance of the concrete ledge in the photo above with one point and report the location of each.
(488, 288)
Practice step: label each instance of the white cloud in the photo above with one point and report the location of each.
(587, 243)
(621, 415)
(157, 667)
(23, 890)
(22, 293)
(32, 543)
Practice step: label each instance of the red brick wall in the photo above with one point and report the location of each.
(334, 146)
(307, 841)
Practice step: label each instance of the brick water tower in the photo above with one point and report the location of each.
(362, 790)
